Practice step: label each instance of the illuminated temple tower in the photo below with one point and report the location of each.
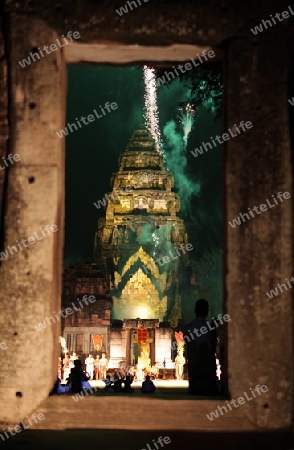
(138, 237)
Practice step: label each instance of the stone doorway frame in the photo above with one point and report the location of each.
(256, 257)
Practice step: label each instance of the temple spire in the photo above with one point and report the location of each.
(140, 227)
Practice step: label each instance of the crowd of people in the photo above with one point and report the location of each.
(72, 377)
(95, 368)
(119, 383)
(201, 353)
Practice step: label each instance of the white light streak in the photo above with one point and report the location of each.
(187, 117)
(151, 110)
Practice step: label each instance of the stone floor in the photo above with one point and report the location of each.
(121, 421)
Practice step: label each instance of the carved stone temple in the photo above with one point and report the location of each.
(137, 246)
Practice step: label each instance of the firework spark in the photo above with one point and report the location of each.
(151, 110)
(187, 118)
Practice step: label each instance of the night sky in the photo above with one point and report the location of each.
(92, 155)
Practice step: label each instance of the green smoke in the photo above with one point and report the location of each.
(209, 275)
(176, 159)
(145, 236)
(155, 240)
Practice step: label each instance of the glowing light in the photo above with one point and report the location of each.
(144, 312)
(156, 242)
(156, 239)
(218, 369)
(187, 118)
(151, 110)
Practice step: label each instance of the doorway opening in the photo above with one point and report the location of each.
(144, 215)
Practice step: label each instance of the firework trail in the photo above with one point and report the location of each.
(175, 141)
(187, 118)
(151, 110)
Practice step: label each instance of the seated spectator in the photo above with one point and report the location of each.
(77, 379)
(131, 372)
(59, 388)
(108, 384)
(117, 381)
(85, 382)
(148, 385)
(127, 384)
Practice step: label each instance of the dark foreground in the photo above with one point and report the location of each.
(137, 440)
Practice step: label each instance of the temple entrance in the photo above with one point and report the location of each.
(141, 341)
(135, 348)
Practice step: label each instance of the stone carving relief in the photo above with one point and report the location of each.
(136, 323)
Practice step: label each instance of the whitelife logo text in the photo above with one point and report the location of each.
(53, 47)
(31, 241)
(73, 127)
(236, 403)
(65, 312)
(263, 207)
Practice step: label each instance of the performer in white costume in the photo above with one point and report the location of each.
(90, 366)
(66, 369)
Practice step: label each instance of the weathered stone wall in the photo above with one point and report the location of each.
(4, 134)
(259, 166)
(258, 252)
(31, 278)
(117, 345)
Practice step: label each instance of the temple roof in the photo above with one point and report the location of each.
(141, 140)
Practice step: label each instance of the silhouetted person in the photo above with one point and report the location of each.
(108, 384)
(200, 347)
(117, 381)
(148, 385)
(127, 384)
(77, 377)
